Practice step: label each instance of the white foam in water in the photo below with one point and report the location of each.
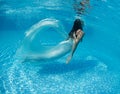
(45, 31)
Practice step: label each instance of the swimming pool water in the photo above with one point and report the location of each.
(95, 67)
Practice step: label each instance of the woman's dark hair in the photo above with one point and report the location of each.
(78, 24)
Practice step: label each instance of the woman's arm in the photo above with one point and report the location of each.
(77, 39)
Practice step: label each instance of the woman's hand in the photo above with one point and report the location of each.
(68, 59)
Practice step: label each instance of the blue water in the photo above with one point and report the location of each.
(95, 67)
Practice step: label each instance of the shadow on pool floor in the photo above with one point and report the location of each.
(60, 68)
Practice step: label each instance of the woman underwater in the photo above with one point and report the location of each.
(67, 46)
(76, 35)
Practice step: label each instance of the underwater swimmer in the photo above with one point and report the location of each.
(60, 49)
(76, 34)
